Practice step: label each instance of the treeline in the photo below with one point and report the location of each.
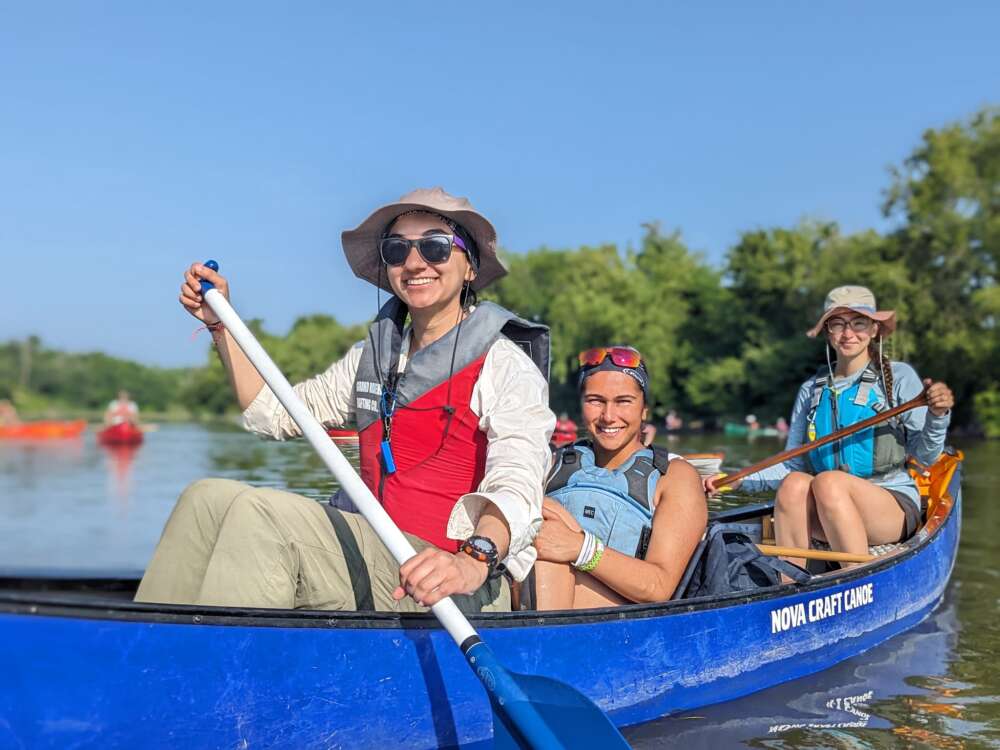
(730, 340)
(721, 341)
(45, 381)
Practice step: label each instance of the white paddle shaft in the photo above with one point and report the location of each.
(446, 611)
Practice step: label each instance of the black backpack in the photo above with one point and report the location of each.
(727, 561)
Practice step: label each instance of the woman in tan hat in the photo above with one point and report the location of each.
(453, 424)
(854, 492)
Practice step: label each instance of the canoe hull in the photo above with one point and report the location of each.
(173, 678)
(120, 434)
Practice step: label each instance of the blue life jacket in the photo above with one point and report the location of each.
(616, 505)
(871, 452)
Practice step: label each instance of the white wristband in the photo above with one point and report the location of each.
(586, 549)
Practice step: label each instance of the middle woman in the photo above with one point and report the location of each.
(620, 522)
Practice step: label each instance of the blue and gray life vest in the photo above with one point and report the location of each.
(871, 452)
(616, 505)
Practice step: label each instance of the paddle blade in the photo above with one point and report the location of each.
(531, 712)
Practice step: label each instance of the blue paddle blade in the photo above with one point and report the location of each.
(531, 712)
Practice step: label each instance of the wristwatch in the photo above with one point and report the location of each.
(483, 549)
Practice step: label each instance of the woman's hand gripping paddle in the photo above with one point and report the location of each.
(778, 458)
(529, 711)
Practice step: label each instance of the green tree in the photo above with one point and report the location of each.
(946, 196)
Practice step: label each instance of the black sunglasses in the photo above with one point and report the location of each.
(434, 248)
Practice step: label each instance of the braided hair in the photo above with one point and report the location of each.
(884, 365)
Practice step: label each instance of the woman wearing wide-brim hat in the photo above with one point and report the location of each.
(855, 492)
(453, 423)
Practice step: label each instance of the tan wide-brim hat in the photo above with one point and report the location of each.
(858, 299)
(361, 244)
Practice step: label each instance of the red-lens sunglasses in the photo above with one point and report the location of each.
(623, 356)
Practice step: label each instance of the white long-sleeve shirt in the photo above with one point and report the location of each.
(510, 398)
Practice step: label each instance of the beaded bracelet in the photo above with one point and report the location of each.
(589, 566)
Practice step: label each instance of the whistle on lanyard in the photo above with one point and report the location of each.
(385, 448)
(388, 462)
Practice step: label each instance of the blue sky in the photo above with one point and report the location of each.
(138, 137)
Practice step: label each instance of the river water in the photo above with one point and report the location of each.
(77, 506)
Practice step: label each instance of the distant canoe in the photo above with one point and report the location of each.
(43, 430)
(735, 428)
(120, 434)
(561, 438)
(343, 434)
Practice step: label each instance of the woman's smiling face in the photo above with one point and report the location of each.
(613, 408)
(422, 285)
(850, 333)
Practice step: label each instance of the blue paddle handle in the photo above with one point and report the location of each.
(206, 285)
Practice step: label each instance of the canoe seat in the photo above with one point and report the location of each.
(877, 550)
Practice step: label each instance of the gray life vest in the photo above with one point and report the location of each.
(436, 363)
(616, 505)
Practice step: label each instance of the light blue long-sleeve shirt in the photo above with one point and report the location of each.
(925, 433)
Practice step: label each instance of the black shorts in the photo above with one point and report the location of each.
(912, 518)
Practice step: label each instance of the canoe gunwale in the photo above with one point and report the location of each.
(16, 597)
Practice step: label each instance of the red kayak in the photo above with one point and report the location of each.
(120, 434)
(343, 434)
(42, 430)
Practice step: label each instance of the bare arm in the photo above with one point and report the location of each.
(243, 377)
(678, 524)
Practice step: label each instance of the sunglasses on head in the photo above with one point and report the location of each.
(623, 356)
(433, 248)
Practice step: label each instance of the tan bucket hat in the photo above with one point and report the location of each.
(361, 244)
(857, 299)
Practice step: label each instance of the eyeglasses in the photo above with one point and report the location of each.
(434, 248)
(858, 325)
(623, 356)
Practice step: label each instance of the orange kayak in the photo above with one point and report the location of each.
(120, 434)
(43, 430)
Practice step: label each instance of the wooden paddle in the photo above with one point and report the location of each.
(778, 458)
(529, 711)
(813, 554)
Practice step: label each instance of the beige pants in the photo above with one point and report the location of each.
(230, 544)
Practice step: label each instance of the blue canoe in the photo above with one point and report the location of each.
(83, 666)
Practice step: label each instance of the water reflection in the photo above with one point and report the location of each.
(119, 459)
(859, 703)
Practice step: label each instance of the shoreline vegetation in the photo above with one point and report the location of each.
(723, 340)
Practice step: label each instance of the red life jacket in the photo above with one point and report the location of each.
(437, 446)
(439, 457)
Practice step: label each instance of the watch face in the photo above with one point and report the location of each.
(483, 545)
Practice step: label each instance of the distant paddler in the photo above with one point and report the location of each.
(122, 410)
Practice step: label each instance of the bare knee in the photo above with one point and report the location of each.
(831, 482)
(831, 490)
(793, 492)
